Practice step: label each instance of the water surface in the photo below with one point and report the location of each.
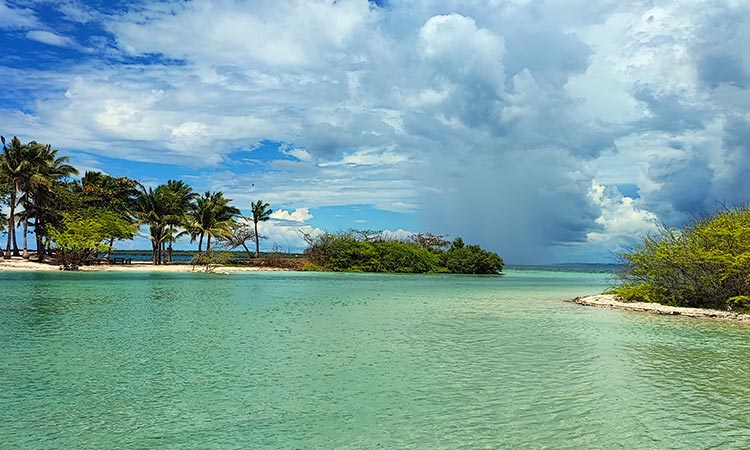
(319, 361)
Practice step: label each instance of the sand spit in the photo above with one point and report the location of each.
(21, 264)
(612, 301)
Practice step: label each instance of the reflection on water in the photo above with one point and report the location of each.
(295, 360)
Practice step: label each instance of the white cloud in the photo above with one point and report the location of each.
(622, 221)
(17, 18)
(50, 38)
(507, 109)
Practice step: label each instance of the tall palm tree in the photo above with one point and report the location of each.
(261, 213)
(44, 183)
(180, 197)
(212, 216)
(13, 165)
(152, 210)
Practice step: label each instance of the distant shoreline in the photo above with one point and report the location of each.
(612, 301)
(23, 265)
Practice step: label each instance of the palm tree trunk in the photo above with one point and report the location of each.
(208, 243)
(257, 240)
(249, 253)
(39, 231)
(11, 224)
(154, 252)
(200, 243)
(26, 236)
(169, 249)
(109, 249)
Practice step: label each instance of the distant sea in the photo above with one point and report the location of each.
(270, 360)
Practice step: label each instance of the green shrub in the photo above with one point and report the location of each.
(705, 264)
(343, 252)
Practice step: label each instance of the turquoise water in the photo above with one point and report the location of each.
(322, 361)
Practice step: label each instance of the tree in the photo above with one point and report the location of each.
(212, 216)
(240, 233)
(705, 264)
(46, 186)
(12, 167)
(180, 197)
(82, 235)
(34, 173)
(115, 194)
(152, 209)
(261, 213)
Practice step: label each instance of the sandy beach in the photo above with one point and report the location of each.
(612, 301)
(21, 264)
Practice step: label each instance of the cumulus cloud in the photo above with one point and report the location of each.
(486, 120)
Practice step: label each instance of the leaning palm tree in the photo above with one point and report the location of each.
(261, 213)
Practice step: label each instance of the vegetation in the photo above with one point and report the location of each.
(80, 218)
(355, 251)
(261, 213)
(81, 236)
(706, 264)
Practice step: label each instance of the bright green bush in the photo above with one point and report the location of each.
(705, 264)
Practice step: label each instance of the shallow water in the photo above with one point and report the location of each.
(320, 361)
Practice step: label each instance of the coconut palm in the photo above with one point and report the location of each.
(152, 210)
(180, 197)
(212, 216)
(44, 184)
(261, 213)
(12, 167)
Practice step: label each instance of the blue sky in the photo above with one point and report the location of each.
(556, 131)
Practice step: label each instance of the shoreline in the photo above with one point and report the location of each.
(613, 302)
(19, 264)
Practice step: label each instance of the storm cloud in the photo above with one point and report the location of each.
(509, 123)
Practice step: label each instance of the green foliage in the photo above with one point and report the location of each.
(345, 252)
(82, 236)
(471, 259)
(705, 264)
(211, 259)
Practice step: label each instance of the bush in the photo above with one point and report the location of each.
(344, 252)
(472, 259)
(706, 264)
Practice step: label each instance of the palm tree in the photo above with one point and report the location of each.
(152, 210)
(43, 184)
(180, 197)
(33, 171)
(12, 167)
(261, 213)
(212, 216)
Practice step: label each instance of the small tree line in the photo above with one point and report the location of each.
(84, 217)
(372, 251)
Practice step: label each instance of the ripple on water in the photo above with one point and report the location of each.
(350, 361)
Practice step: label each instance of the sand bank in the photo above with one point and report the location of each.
(612, 301)
(21, 264)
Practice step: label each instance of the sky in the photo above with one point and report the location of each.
(547, 131)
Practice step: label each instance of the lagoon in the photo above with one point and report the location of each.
(320, 361)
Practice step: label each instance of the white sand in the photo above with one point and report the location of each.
(612, 301)
(21, 264)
